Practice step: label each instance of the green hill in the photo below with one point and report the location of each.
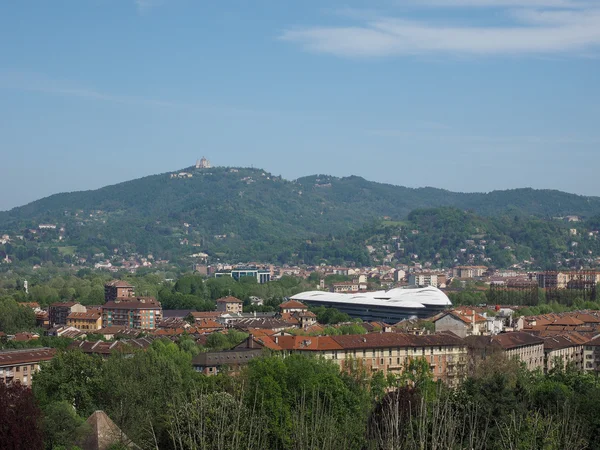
(241, 213)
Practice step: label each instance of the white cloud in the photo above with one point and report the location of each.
(532, 31)
(506, 3)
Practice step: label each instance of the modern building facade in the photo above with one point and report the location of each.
(138, 312)
(262, 276)
(423, 279)
(382, 306)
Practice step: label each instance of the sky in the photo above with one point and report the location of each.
(466, 95)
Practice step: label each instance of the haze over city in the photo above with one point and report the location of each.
(454, 94)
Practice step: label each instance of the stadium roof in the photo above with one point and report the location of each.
(397, 297)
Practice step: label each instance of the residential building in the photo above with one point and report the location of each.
(445, 353)
(520, 345)
(345, 286)
(552, 280)
(591, 355)
(118, 290)
(292, 306)
(58, 312)
(211, 363)
(89, 320)
(230, 305)
(20, 365)
(523, 346)
(468, 271)
(106, 348)
(562, 349)
(462, 322)
(137, 312)
(423, 279)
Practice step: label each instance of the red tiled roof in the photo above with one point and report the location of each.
(384, 340)
(466, 318)
(571, 321)
(25, 336)
(89, 315)
(137, 303)
(208, 323)
(516, 339)
(206, 314)
(229, 299)
(293, 304)
(16, 357)
(317, 343)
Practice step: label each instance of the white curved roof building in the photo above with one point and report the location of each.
(388, 306)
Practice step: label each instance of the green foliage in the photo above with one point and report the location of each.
(301, 402)
(246, 215)
(332, 316)
(72, 377)
(62, 426)
(224, 341)
(281, 386)
(14, 317)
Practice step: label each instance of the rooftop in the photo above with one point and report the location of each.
(16, 357)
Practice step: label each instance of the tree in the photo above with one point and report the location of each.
(19, 419)
(71, 376)
(15, 317)
(62, 426)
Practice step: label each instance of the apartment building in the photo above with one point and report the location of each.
(58, 312)
(89, 320)
(230, 305)
(461, 322)
(118, 289)
(20, 365)
(345, 286)
(468, 271)
(138, 312)
(445, 353)
(292, 306)
(523, 346)
(423, 279)
(591, 355)
(564, 350)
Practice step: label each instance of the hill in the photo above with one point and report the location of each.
(242, 213)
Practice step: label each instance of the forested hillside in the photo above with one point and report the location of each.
(242, 214)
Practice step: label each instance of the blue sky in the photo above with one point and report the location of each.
(467, 95)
